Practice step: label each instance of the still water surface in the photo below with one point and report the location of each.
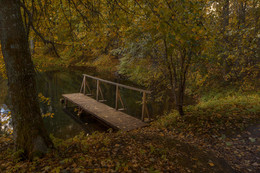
(53, 84)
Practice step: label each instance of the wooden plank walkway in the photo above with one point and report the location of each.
(115, 119)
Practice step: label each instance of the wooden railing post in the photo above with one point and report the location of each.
(82, 85)
(117, 90)
(144, 105)
(101, 94)
(97, 90)
(84, 89)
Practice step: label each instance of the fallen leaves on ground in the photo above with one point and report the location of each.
(209, 138)
(137, 151)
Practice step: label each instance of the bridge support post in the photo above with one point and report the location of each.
(66, 103)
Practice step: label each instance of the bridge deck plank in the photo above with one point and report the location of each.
(116, 119)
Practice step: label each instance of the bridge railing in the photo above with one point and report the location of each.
(99, 93)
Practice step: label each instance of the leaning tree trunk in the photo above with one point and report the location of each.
(29, 133)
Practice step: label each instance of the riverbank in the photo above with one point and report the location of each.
(219, 135)
(103, 63)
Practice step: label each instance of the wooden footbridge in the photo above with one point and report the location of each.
(114, 117)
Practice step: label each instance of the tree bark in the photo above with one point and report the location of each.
(225, 15)
(241, 14)
(225, 24)
(30, 135)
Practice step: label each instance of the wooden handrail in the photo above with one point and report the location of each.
(118, 84)
(144, 106)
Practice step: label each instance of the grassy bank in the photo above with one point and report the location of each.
(216, 115)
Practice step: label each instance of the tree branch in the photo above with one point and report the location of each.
(45, 41)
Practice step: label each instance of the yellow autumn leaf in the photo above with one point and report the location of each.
(211, 164)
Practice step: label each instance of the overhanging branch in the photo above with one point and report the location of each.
(45, 41)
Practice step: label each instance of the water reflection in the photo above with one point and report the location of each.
(53, 85)
(5, 122)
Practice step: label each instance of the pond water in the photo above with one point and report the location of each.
(52, 84)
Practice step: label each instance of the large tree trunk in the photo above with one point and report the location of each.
(29, 133)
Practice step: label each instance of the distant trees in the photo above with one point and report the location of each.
(237, 47)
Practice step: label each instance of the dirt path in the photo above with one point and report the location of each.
(187, 156)
(240, 151)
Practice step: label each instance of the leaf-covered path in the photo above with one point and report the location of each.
(145, 150)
